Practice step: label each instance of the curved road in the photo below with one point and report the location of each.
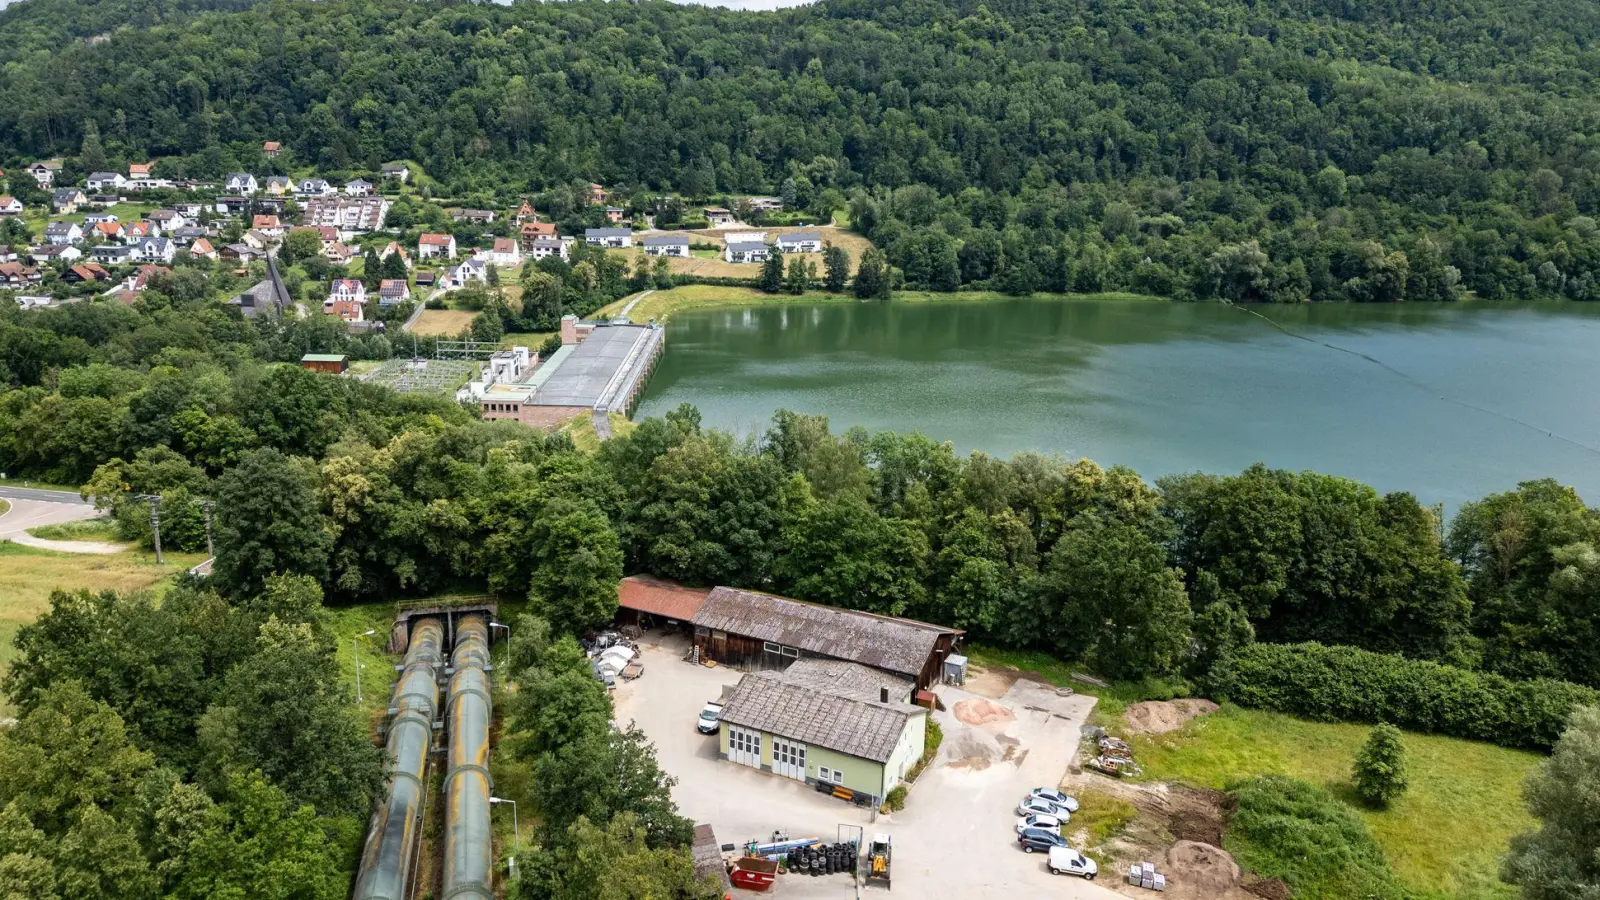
(33, 507)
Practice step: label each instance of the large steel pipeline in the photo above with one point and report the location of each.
(392, 837)
(467, 842)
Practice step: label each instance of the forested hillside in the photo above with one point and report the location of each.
(1277, 150)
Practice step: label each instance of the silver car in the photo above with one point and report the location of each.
(1054, 796)
(1034, 806)
(1039, 821)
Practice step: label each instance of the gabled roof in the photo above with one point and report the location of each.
(659, 597)
(765, 701)
(667, 240)
(200, 247)
(798, 236)
(883, 642)
(435, 240)
(607, 232)
(105, 176)
(505, 245)
(747, 246)
(847, 679)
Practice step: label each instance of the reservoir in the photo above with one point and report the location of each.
(1450, 402)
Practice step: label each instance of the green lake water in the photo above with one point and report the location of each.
(1449, 402)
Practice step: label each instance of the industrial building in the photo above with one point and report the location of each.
(600, 367)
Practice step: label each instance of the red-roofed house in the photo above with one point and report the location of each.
(347, 300)
(645, 600)
(267, 225)
(504, 253)
(139, 170)
(270, 149)
(202, 247)
(432, 245)
(532, 231)
(107, 230)
(10, 206)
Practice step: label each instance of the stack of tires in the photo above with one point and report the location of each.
(823, 859)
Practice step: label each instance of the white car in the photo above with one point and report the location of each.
(1067, 861)
(1039, 821)
(1051, 795)
(710, 719)
(1034, 806)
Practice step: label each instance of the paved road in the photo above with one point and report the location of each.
(33, 507)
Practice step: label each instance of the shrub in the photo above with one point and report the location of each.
(1344, 684)
(1285, 828)
(896, 799)
(930, 747)
(1380, 769)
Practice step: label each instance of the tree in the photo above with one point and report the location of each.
(578, 563)
(611, 862)
(301, 244)
(1380, 768)
(771, 279)
(1557, 861)
(836, 268)
(92, 156)
(872, 276)
(268, 520)
(800, 274)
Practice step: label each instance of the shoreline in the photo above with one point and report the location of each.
(661, 304)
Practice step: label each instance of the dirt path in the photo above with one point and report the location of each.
(30, 512)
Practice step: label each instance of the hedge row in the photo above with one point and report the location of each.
(1344, 684)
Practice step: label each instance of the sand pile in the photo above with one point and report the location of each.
(985, 714)
(972, 748)
(1162, 716)
(1201, 871)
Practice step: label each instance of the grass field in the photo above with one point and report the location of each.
(81, 530)
(660, 305)
(443, 321)
(709, 264)
(581, 430)
(28, 576)
(1444, 837)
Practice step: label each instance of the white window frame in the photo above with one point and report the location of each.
(838, 776)
(823, 774)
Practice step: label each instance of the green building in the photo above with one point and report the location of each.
(825, 720)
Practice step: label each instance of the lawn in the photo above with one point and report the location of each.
(581, 430)
(28, 576)
(443, 321)
(660, 305)
(1444, 837)
(100, 529)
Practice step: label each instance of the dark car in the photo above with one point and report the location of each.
(1033, 839)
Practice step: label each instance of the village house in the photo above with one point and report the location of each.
(232, 206)
(719, 217)
(8, 253)
(243, 253)
(167, 220)
(675, 245)
(112, 254)
(504, 253)
(98, 218)
(187, 235)
(63, 233)
(392, 248)
(544, 247)
(346, 299)
(615, 214)
(398, 171)
(327, 235)
(746, 251)
(53, 253)
(764, 204)
(106, 231)
(100, 181)
(608, 237)
(15, 275)
(279, 185)
(271, 149)
(91, 272)
(203, 249)
(314, 187)
(240, 183)
(597, 194)
(393, 291)
(338, 254)
(358, 188)
(65, 201)
(10, 206)
(525, 213)
(267, 225)
(45, 171)
(532, 231)
(475, 216)
(436, 245)
(800, 242)
(189, 210)
(153, 250)
(464, 274)
(139, 170)
(140, 229)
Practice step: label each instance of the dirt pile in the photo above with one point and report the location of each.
(985, 714)
(1209, 870)
(972, 748)
(1162, 716)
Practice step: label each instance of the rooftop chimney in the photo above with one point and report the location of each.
(883, 695)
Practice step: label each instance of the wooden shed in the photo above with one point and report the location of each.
(334, 363)
(649, 602)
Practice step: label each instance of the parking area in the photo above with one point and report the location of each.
(956, 836)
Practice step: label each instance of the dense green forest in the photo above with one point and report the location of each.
(1253, 151)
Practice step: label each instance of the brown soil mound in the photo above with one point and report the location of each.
(1162, 716)
(1189, 825)
(985, 714)
(1269, 888)
(1203, 867)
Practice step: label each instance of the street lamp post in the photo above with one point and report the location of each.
(355, 650)
(508, 642)
(511, 863)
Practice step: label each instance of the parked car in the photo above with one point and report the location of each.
(1040, 821)
(710, 718)
(1033, 839)
(1034, 806)
(1066, 861)
(1054, 796)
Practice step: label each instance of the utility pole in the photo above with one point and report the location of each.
(355, 650)
(155, 518)
(516, 834)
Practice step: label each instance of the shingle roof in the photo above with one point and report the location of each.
(798, 236)
(765, 701)
(747, 246)
(883, 642)
(657, 597)
(847, 679)
(670, 240)
(607, 232)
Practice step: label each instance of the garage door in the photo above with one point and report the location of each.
(789, 759)
(744, 746)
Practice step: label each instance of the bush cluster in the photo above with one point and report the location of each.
(1285, 828)
(1344, 684)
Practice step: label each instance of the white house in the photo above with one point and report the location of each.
(608, 237)
(542, 247)
(398, 171)
(667, 245)
(436, 245)
(504, 254)
(241, 183)
(347, 299)
(101, 181)
(315, 187)
(63, 233)
(44, 171)
(393, 291)
(460, 276)
(800, 242)
(153, 250)
(719, 217)
(10, 206)
(746, 251)
(358, 188)
(67, 200)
